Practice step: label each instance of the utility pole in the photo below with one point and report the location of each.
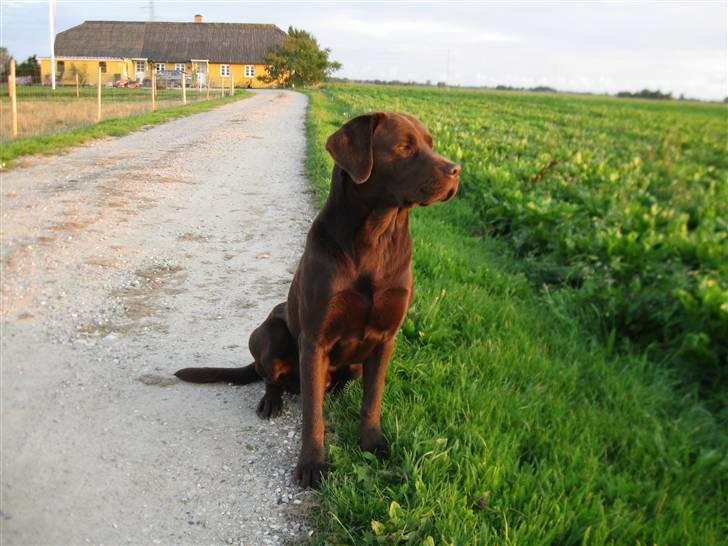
(447, 73)
(52, 33)
(151, 10)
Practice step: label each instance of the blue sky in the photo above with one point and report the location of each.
(578, 46)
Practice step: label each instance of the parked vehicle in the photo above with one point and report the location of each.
(172, 78)
(128, 84)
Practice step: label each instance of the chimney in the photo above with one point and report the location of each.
(198, 18)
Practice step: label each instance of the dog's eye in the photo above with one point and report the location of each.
(404, 148)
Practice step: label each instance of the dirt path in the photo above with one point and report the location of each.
(122, 262)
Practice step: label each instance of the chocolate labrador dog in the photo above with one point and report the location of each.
(353, 285)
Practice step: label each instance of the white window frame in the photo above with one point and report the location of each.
(180, 67)
(224, 69)
(158, 67)
(140, 66)
(249, 70)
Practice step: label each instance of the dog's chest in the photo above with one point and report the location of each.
(360, 318)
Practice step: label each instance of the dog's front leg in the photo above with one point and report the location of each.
(370, 430)
(312, 459)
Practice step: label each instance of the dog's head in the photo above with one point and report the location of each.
(391, 156)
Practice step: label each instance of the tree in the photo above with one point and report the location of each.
(4, 62)
(645, 94)
(299, 61)
(30, 67)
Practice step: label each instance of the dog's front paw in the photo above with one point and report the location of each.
(375, 442)
(269, 407)
(310, 474)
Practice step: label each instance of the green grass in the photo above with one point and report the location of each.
(67, 93)
(509, 421)
(55, 143)
(624, 203)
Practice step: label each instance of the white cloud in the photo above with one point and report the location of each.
(20, 3)
(408, 30)
(581, 46)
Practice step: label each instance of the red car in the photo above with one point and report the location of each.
(130, 84)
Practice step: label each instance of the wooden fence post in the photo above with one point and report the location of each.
(208, 87)
(154, 91)
(184, 88)
(13, 98)
(98, 98)
(77, 86)
(232, 83)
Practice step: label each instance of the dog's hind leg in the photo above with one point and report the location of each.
(280, 374)
(276, 357)
(270, 338)
(271, 405)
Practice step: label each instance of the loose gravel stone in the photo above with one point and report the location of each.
(123, 261)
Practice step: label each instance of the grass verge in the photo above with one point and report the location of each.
(508, 422)
(53, 144)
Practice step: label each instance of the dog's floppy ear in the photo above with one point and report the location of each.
(351, 146)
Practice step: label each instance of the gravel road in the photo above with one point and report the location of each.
(123, 261)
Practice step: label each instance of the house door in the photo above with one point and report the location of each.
(201, 71)
(140, 65)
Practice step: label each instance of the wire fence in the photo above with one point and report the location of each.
(41, 110)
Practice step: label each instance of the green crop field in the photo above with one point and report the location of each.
(561, 376)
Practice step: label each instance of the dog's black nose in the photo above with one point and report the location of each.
(452, 169)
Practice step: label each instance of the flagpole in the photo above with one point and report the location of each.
(52, 31)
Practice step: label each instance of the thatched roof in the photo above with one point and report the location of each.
(173, 42)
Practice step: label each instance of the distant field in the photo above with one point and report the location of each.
(42, 111)
(74, 129)
(560, 378)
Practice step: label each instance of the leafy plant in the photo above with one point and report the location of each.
(623, 205)
(29, 67)
(519, 426)
(299, 61)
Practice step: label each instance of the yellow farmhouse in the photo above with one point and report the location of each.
(130, 51)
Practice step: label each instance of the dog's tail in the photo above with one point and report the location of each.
(237, 376)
